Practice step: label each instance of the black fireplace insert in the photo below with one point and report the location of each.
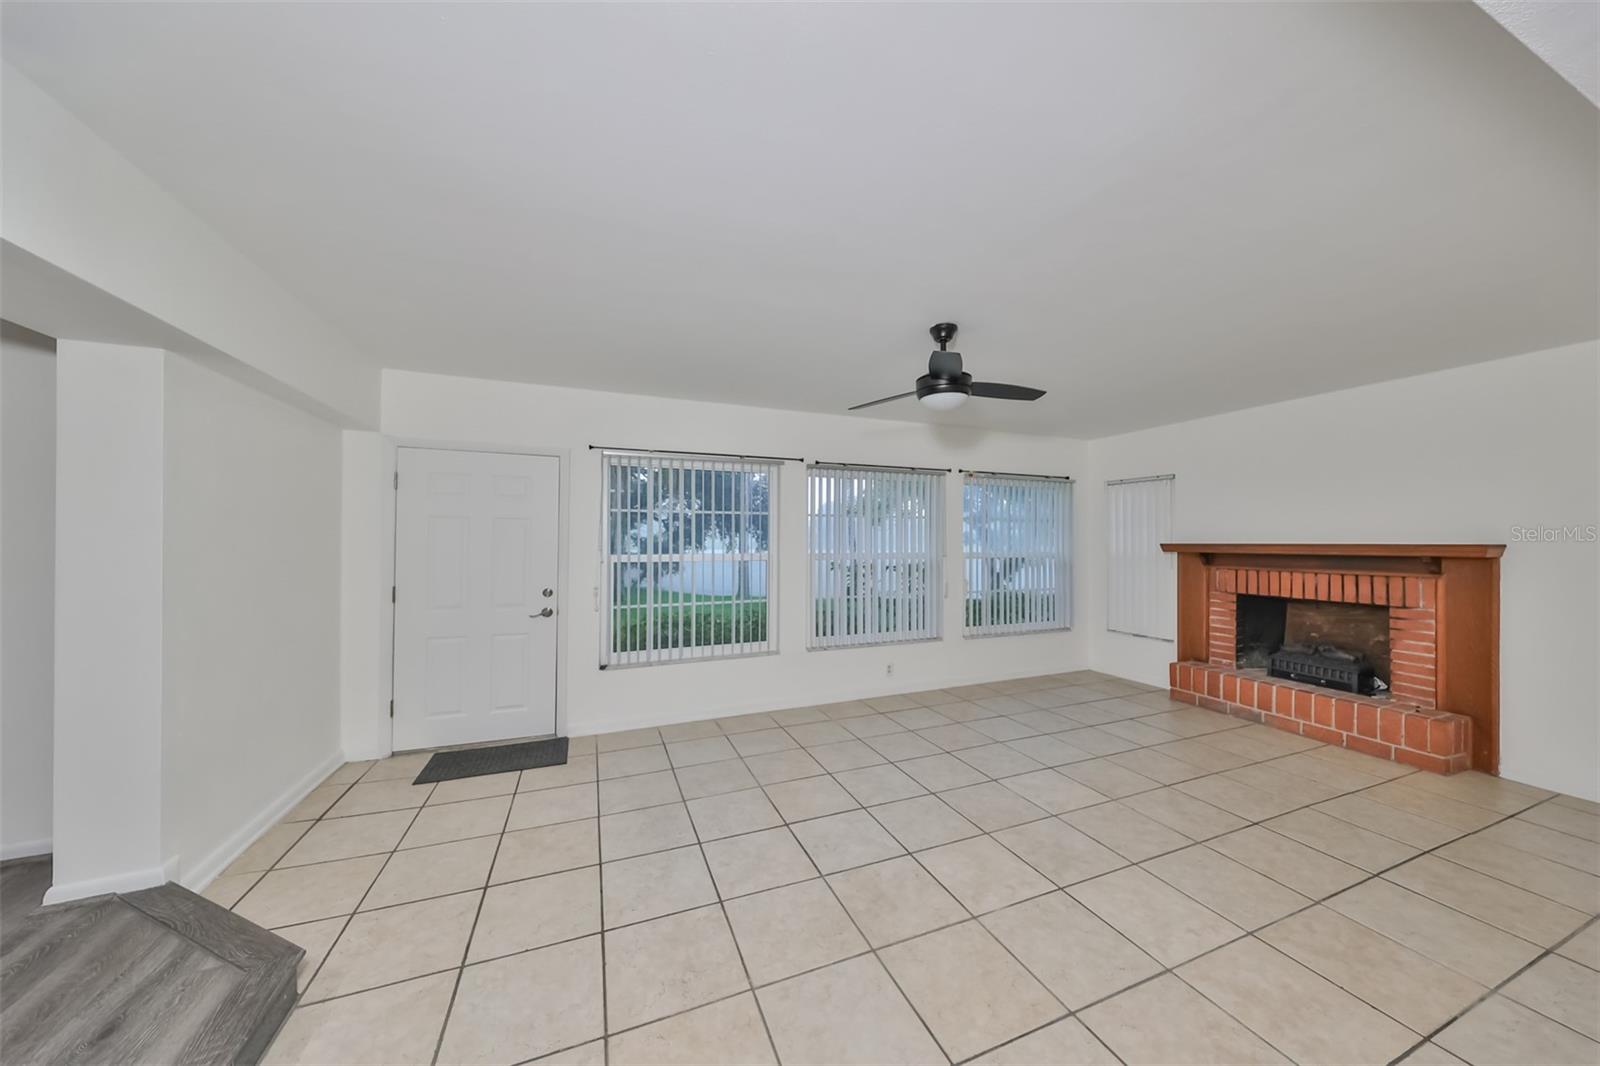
(1323, 665)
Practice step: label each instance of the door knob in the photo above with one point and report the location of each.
(546, 613)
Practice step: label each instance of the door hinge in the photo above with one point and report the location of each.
(391, 708)
(397, 479)
(391, 594)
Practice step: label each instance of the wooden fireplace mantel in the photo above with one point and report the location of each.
(1410, 551)
(1445, 596)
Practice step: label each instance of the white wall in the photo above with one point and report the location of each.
(364, 577)
(447, 409)
(199, 620)
(27, 587)
(1463, 455)
(251, 619)
(75, 203)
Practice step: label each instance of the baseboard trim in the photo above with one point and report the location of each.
(196, 876)
(356, 753)
(26, 849)
(679, 715)
(127, 881)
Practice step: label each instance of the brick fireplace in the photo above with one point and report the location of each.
(1415, 629)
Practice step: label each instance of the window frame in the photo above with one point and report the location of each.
(1158, 577)
(924, 548)
(1039, 493)
(695, 561)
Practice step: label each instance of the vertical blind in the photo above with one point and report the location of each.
(1016, 534)
(686, 552)
(1142, 588)
(874, 546)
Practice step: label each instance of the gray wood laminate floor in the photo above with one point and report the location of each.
(160, 975)
(23, 883)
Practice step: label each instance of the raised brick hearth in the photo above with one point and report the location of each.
(1441, 708)
(1424, 738)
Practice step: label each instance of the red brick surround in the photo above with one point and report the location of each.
(1424, 738)
(1442, 709)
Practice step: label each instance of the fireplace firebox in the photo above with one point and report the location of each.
(1343, 646)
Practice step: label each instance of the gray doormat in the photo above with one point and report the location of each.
(502, 758)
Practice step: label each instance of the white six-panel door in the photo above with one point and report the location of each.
(476, 544)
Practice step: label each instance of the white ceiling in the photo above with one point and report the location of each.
(1153, 211)
(1563, 33)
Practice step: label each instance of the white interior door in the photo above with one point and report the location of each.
(476, 546)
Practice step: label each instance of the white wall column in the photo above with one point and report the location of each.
(108, 674)
(27, 600)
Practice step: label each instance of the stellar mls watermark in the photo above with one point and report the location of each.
(1542, 534)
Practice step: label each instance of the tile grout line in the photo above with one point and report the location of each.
(874, 949)
(1156, 784)
(971, 916)
(1245, 933)
(300, 997)
(605, 981)
(824, 877)
(1253, 935)
(1248, 823)
(1499, 990)
(472, 931)
(913, 855)
(722, 906)
(388, 856)
(460, 968)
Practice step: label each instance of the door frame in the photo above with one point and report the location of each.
(391, 523)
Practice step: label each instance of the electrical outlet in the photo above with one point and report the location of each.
(888, 671)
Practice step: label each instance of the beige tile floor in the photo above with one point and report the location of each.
(1062, 869)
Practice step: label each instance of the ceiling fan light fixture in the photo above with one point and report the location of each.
(943, 401)
(946, 385)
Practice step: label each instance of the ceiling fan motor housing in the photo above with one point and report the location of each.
(928, 384)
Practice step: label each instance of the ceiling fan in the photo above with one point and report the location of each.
(946, 386)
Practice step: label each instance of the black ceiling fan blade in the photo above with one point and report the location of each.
(993, 390)
(944, 364)
(886, 399)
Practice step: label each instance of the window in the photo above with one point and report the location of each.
(1015, 533)
(1141, 586)
(874, 538)
(687, 544)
